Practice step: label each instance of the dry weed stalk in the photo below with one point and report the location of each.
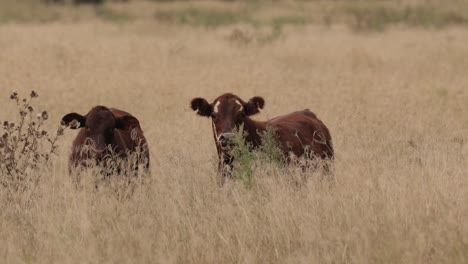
(22, 147)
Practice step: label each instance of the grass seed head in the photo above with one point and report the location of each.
(14, 95)
(59, 131)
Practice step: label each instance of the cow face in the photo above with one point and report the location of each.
(227, 113)
(99, 127)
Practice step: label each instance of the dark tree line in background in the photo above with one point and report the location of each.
(78, 2)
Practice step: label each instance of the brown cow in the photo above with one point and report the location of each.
(103, 129)
(298, 133)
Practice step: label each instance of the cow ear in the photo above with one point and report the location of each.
(254, 105)
(73, 120)
(126, 122)
(202, 107)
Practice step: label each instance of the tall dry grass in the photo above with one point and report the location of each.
(395, 104)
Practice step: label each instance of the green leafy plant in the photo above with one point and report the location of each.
(243, 159)
(269, 151)
(247, 158)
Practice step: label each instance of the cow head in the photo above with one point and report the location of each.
(99, 126)
(227, 113)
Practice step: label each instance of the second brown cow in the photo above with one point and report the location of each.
(104, 133)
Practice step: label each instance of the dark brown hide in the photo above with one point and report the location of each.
(296, 133)
(103, 128)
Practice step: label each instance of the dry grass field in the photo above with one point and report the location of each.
(395, 102)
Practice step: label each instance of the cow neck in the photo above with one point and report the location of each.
(253, 128)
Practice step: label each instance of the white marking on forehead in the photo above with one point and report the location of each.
(241, 107)
(216, 106)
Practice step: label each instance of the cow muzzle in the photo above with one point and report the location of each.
(94, 149)
(98, 151)
(225, 140)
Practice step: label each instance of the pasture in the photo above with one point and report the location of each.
(394, 99)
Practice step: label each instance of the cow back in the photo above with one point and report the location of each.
(302, 130)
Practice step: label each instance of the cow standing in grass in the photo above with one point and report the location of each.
(300, 133)
(107, 133)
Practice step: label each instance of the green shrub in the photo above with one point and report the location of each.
(243, 159)
(378, 18)
(200, 17)
(247, 158)
(269, 151)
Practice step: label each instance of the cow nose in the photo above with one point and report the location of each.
(98, 150)
(225, 139)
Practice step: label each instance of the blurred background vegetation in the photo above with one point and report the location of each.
(358, 15)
